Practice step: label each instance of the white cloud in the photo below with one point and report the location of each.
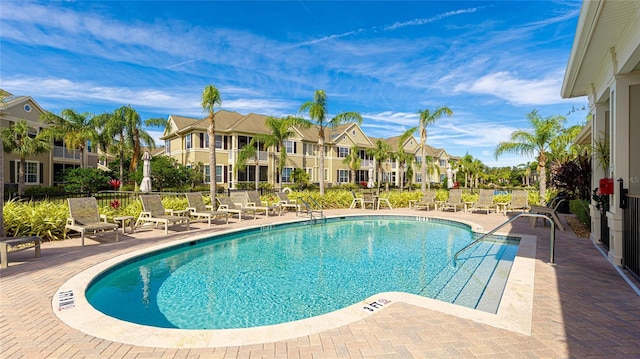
(517, 91)
(417, 22)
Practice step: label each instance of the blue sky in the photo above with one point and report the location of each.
(491, 62)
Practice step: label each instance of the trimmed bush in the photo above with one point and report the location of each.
(580, 207)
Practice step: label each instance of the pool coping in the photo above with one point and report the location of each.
(70, 305)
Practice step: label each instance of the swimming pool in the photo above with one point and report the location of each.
(277, 274)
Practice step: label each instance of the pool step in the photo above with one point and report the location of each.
(467, 284)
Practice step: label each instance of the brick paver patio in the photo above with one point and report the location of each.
(582, 308)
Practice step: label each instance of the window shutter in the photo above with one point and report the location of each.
(201, 140)
(294, 147)
(12, 171)
(225, 176)
(41, 173)
(224, 142)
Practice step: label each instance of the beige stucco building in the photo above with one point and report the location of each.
(187, 141)
(44, 169)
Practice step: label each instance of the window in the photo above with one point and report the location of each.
(32, 132)
(343, 151)
(31, 172)
(326, 174)
(308, 149)
(310, 173)
(286, 174)
(418, 177)
(206, 171)
(289, 147)
(219, 174)
(89, 146)
(219, 142)
(167, 146)
(390, 177)
(188, 144)
(443, 163)
(418, 160)
(204, 140)
(343, 176)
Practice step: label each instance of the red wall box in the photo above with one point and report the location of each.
(606, 186)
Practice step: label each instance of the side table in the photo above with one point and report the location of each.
(123, 220)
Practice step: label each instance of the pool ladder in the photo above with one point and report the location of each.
(309, 205)
(552, 239)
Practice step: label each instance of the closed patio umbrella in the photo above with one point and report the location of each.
(145, 186)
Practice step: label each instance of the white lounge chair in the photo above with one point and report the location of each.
(84, 217)
(356, 200)
(485, 201)
(519, 201)
(228, 205)
(285, 202)
(427, 201)
(198, 209)
(253, 200)
(454, 201)
(153, 211)
(384, 199)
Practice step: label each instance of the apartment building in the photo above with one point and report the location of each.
(187, 141)
(44, 169)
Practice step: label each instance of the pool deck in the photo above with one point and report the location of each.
(582, 307)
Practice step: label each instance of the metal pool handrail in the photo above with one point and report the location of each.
(552, 239)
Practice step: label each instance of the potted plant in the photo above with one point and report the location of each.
(602, 154)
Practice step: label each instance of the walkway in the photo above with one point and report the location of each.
(582, 308)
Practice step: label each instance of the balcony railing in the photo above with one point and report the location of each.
(63, 152)
(262, 156)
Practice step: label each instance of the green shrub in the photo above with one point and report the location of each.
(45, 219)
(580, 207)
(86, 180)
(44, 190)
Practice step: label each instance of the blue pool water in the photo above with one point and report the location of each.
(283, 273)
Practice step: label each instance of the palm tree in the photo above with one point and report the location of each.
(535, 142)
(136, 136)
(16, 139)
(381, 152)
(402, 156)
(477, 167)
(353, 160)
(210, 99)
(122, 133)
(427, 117)
(281, 129)
(430, 167)
(75, 128)
(317, 109)
(112, 138)
(247, 152)
(467, 167)
(562, 148)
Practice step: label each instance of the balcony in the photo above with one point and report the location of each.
(63, 152)
(262, 156)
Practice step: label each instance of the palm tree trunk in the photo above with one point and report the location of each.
(257, 174)
(543, 183)
(212, 160)
(321, 174)
(21, 170)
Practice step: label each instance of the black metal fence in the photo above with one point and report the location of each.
(631, 255)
